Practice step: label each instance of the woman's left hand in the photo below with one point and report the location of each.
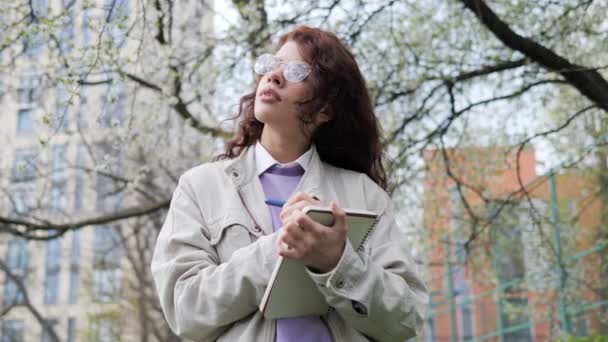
(317, 246)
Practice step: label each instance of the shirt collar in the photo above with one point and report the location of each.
(263, 159)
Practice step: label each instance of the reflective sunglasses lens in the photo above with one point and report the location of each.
(296, 72)
(264, 64)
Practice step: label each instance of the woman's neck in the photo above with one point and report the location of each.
(284, 148)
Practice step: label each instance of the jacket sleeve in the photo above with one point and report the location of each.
(200, 298)
(377, 291)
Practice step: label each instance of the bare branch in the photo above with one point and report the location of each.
(18, 281)
(589, 82)
(30, 228)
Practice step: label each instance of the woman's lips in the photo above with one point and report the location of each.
(269, 95)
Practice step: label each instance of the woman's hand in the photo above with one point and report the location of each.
(317, 246)
(297, 202)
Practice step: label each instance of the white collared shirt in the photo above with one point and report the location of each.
(263, 159)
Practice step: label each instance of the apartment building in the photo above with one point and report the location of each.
(63, 155)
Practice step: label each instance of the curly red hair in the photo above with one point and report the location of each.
(351, 139)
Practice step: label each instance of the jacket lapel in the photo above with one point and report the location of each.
(242, 171)
(311, 179)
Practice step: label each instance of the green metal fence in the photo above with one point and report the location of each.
(566, 310)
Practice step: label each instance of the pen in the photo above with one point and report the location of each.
(275, 203)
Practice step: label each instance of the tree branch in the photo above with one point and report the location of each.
(6, 223)
(26, 301)
(589, 82)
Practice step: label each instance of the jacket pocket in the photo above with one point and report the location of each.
(231, 232)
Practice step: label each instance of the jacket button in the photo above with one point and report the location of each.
(340, 284)
(235, 174)
(359, 308)
(257, 229)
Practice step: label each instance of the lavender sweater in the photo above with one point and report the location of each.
(279, 182)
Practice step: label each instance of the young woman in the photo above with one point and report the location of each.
(308, 135)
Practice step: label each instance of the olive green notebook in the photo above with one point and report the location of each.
(291, 292)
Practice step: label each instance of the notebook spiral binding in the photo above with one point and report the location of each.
(361, 246)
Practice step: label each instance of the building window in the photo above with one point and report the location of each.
(12, 331)
(57, 202)
(71, 329)
(17, 259)
(53, 270)
(28, 96)
(34, 42)
(81, 120)
(2, 77)
(463, 293)
(59, 163)
(578, 325)
(22, 195)
(430, 330)
(458, 224)
(117, 11)
(81, 154)
(87, 25)
(62, 106)
(40, 8)
(25, 122)
(24, 168)
(456, 209)
(46, 336)
(67, 29)
(28, 93)
(74, 268)
(109, 194)
(572, 208)
(509, 260)
(430, 333)
(110, 191)
(466, 323)
(107, 255)
(515, 312)
(106, 330)
(115, 105)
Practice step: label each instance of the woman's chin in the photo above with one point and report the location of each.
(264, 116)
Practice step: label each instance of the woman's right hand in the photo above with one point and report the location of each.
(296, 204)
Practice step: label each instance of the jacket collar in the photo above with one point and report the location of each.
(264, 160)
(243, 173)
(242, 170)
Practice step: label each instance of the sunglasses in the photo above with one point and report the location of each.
(294, 71)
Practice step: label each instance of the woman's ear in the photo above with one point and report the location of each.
(323, 116)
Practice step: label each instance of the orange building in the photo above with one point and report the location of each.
(493, 252)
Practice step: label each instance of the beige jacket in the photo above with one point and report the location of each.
(215, 254)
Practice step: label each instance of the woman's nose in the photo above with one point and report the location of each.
(276, 76)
